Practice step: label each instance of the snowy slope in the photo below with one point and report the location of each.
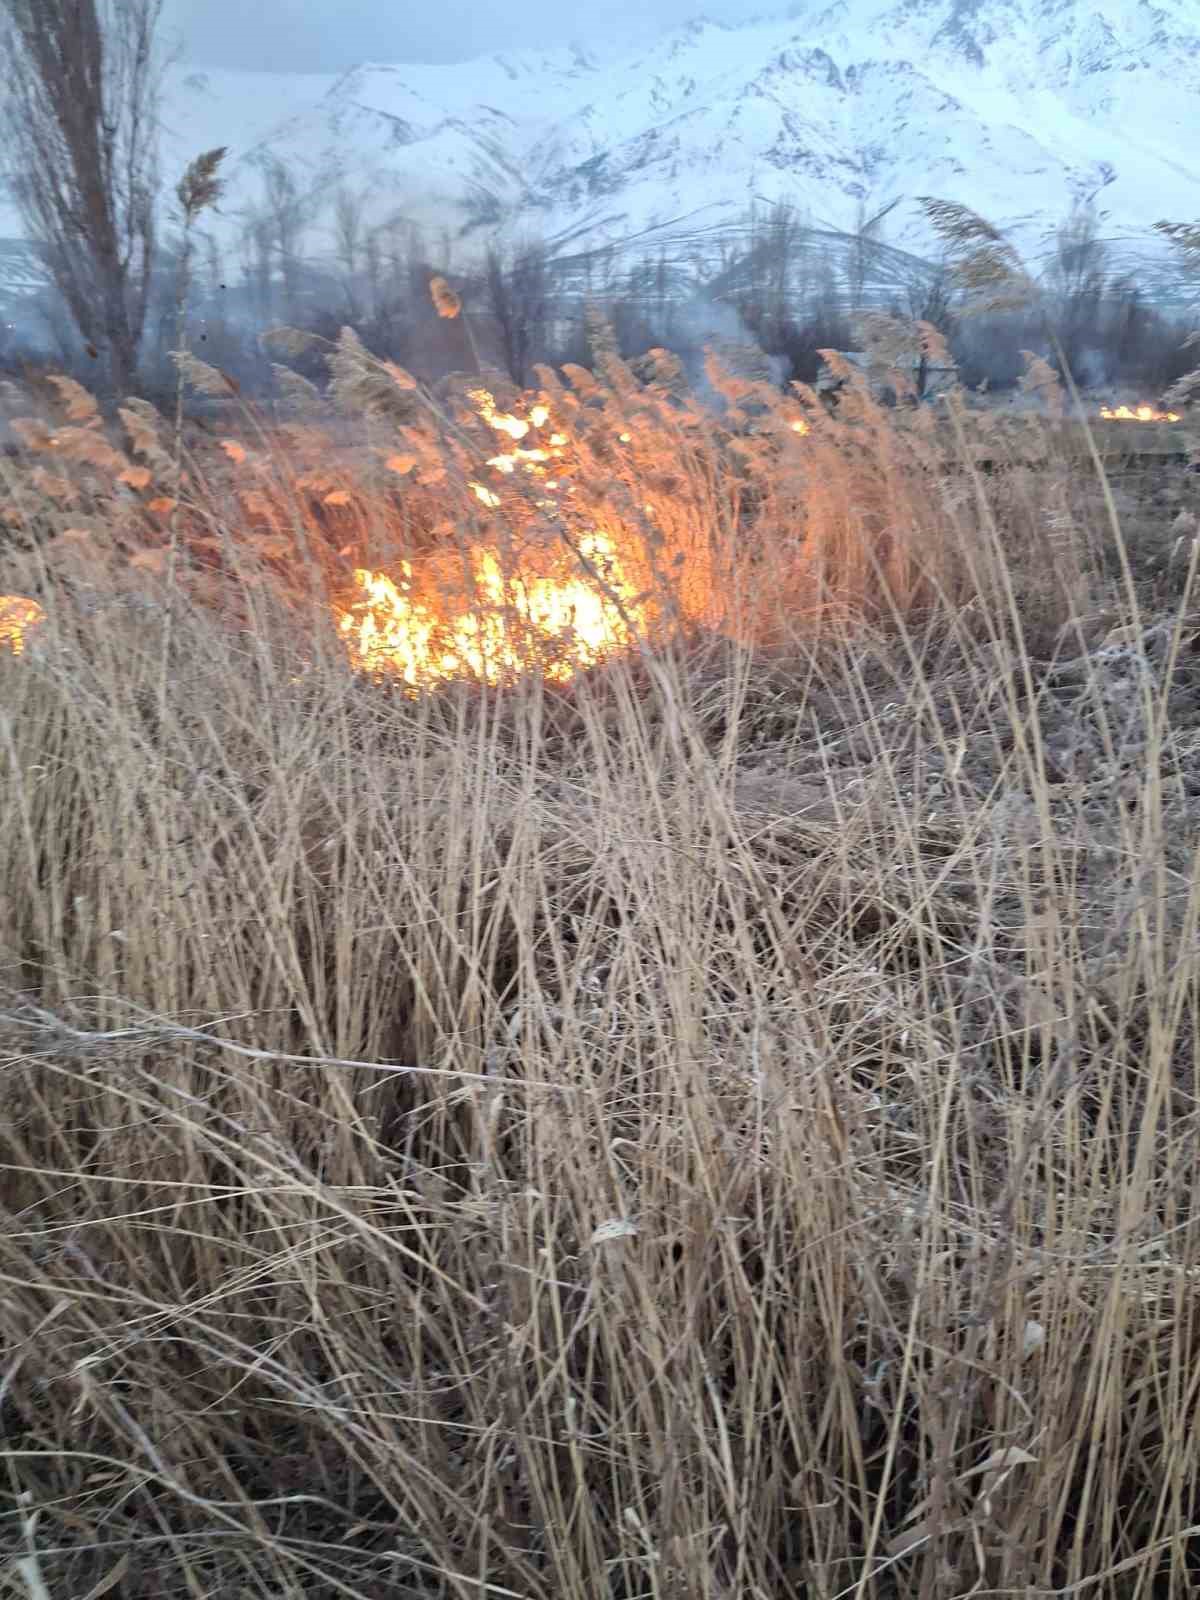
(1014, 107)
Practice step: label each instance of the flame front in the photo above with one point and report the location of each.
(1137, 414)
(18, 615)
(558, 608)
(557, 624)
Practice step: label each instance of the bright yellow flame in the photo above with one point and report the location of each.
(562, 623)
(1138, 414)
(800, 426)
(508, 462)
(502, 421)
(17, 615)
(513, 426)
(542, 613)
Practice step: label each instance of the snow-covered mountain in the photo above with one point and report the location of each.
(1014, 107)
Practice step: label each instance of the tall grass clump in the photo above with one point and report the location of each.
(721, 1126)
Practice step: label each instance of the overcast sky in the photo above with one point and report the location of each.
(328, 35)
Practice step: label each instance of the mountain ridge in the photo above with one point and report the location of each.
(1017, 108)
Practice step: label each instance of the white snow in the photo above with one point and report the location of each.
(1013, 107)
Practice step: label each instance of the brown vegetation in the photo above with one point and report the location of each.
(724, 1125)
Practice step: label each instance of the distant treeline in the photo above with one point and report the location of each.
(772, 285)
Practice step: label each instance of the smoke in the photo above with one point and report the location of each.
(1092, 369)
(700, 325)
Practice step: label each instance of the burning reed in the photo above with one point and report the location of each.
(662, 1065)
(448, 536)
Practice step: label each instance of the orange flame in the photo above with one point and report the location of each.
(560, 623)
(17, 615)
(568, 581)
(1137, 414)
(557, 609)
(502, 421)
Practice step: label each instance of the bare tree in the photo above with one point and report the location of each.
(518, 298)
(865, 237)
(79, 126)
(1185, 236)
(351, 235)
(256, 245)
(288, 215)
(1076, 282)
(767, 277)
(931, 301)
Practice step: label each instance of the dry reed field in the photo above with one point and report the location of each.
(596, 1000)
